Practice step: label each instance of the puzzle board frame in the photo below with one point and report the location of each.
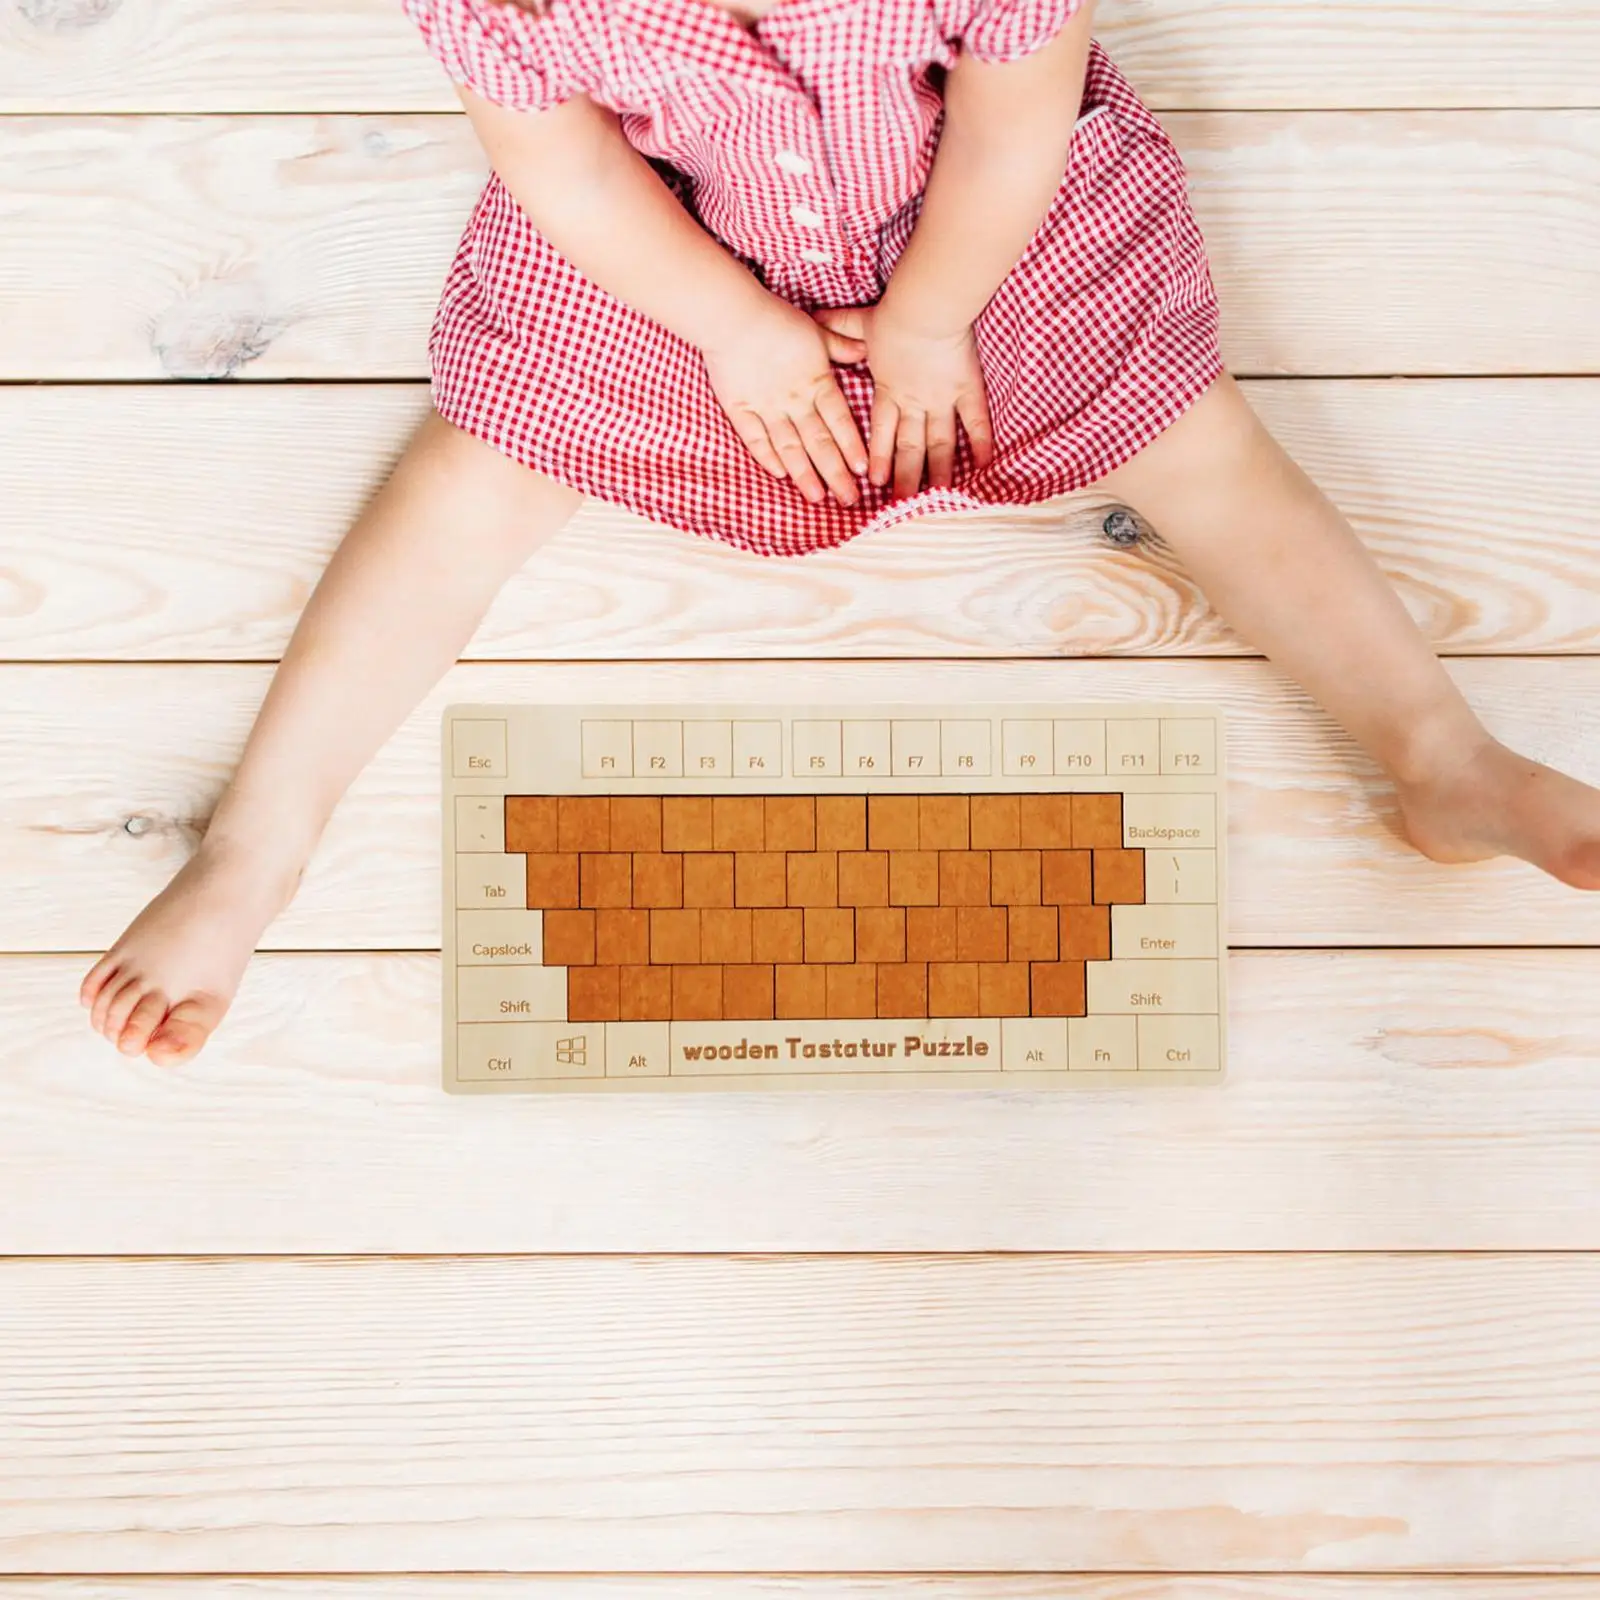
(530, 767)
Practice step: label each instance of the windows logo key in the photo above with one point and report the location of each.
(573, 1052)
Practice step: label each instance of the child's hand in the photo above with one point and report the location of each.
(923, 384)
(772, 376)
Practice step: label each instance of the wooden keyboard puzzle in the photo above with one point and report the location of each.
(763, 897)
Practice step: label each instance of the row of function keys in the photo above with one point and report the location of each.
(841, 748)
(901, 748)
(545, 824)
(533, 1053)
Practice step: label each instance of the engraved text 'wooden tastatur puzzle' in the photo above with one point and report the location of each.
(760, 897)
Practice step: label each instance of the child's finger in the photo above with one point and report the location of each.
(835, 412)
(942, 450)
(844, 352)
(797, 463)
(850, 322)
(753, 431)
(910, 452)
(825, 457)
(973, 409)
(880, 448)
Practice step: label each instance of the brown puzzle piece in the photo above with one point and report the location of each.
(745, 907)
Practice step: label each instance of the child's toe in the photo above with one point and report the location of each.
(110, 993)
(95, 980)
(184, 1032)
(142, 1021)
(122, 1006)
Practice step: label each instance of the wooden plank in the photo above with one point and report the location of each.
(1480, 498)
(362, 55)
(209, 516)
(112, 769)
(204, 247)
(1283, 54)
(862, 1414)
(1410, 223)
(1377, 1101)
(279, 247)
(1058, 1586)
(217, 56)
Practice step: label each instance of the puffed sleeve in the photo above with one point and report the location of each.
(1003, 30)
(503, 51)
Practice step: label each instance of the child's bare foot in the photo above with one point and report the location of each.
(1494, 802)
(164, 986)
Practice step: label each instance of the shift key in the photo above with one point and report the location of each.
(511, 994)
(1120, 988)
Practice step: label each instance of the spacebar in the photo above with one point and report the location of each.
(725, 1049)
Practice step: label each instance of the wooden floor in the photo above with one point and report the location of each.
(290, 1324)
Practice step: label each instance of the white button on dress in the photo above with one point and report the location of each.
(806, 217)
(820, 258)
(795, 164)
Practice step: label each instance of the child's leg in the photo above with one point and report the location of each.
(399, 601)
(1290, 575)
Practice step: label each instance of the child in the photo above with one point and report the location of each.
(778, 271)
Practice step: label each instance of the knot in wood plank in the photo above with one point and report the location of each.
(154, 825)
(1121, 528)
(1460, 1048)
(216, 331)
(67, 16)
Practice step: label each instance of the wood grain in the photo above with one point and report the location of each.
(216, 56)
(1261, 54)
(1480, 498)
(278, 247)
(1414, 225)
(1236, 1412)
(113, 769)
(361, 55)
(1057, 1586)
(206, 522)
(878, 1414)
(208, 247)
(1378, 1101)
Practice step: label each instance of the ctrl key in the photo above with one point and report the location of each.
(1179, 1044)
(525, 1052)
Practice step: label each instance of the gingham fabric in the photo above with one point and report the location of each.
(804, 144)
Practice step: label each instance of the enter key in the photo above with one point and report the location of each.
(1164, 933)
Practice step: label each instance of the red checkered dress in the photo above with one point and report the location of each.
(804, 145)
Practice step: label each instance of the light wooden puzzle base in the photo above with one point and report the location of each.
(762, 897)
